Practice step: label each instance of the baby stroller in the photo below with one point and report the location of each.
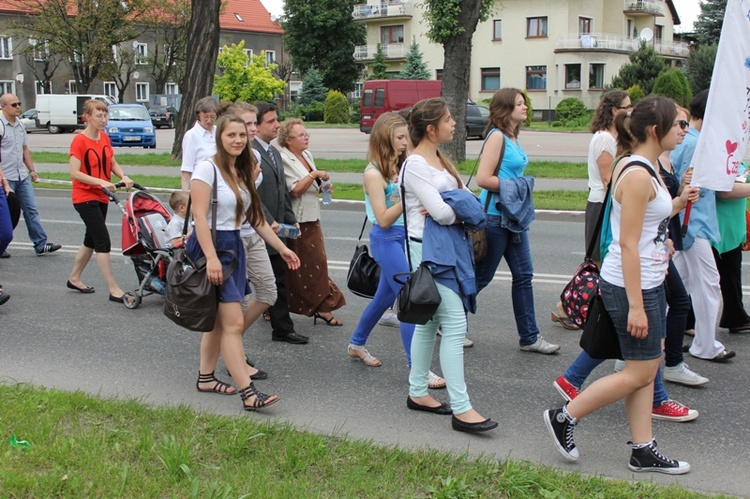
(145, 241)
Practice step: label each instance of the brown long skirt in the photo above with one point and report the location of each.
(309, 289)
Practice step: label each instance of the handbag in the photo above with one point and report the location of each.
(191, 300)
(418, 299)
(364, 272)
(479, 237)
(599, 338)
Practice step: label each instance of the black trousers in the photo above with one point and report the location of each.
(281, 321)
(729, 265)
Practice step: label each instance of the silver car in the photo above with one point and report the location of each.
(30, 121)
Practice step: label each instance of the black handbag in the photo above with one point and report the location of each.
(599, 338)
(192, 301)
(364, 272)
(419, 298)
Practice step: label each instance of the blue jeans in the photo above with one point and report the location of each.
(6, 227)
(679, 308)
(584, 365)
(517, 252)
(25, 194)
(388, 250)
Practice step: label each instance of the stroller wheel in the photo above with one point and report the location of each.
(131, 300)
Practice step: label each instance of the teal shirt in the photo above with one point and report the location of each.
(514, 165)
(390, 190)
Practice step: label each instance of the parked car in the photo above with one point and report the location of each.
(130, 125)
(30, 121)
(163, 116)
(477, 118)
(64, 112)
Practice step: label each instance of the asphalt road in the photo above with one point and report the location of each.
(55, 337)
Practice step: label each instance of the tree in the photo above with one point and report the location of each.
(708, 26)
(644, 66)
(169, 25)
(336, 108)
(313, 89)
(283, 72)
(635, 93)
(322, 35)
(415, 68)
(82, 32)
(452, 23)
(243, 79)
(120, 69)
(41, 63)
(202, 50)
(378, 65)
(674, 84)
(700, 67)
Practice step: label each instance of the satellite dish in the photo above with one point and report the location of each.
(135, 44)
(647, 34)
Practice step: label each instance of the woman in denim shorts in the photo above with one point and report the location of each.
(632, 284)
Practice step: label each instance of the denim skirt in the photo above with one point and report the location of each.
(615, 300)
(235, 287)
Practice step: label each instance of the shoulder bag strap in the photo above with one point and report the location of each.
(403, 203)
(362, 231)
(497, 168)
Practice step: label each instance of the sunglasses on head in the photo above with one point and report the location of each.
(683, 124)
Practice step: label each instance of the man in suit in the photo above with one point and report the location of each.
(277, 205)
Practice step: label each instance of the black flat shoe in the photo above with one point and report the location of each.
(255, 377)
(4, 297)
(117, 299)
(443, 409)
(479, 427)
(85, 290)
(293, 338)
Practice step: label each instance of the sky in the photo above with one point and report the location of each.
(688, 11)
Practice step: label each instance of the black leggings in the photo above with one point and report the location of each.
(94, 216)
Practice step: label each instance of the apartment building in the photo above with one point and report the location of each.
(246, 20)
(553, 49)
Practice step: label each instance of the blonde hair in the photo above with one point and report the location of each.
(92, 105)
(286, 129)
(381, 152)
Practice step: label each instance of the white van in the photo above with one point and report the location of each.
(62, 112)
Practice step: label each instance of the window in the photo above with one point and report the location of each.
(392, 34)
(77, 57)
(270, 57)
(439, 74)
(357, 92)
(536, 27)
(42, 89)
(72, 87)
(367, 99)
(110, 89)
(658, 33)
(536, 77)
(141, 53)
(249, 54)
(41, 49)
(584, 25)
(497, 29)
(7, 86)
(630, 29)
(6, 47)
(171, 89)
(490, 78)
(572, 77)
(170, 55)
(141, 92)
(596, 76)
(379, 97)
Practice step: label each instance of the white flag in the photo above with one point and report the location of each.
(726, 125)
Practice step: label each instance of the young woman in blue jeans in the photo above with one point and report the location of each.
(505, 239)
(387, 152)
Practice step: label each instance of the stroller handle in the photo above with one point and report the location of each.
(120, 185)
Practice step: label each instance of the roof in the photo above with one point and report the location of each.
(673, 11)
(236, 15)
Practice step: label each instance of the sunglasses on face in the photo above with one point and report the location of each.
(15, 104)
(683, 124)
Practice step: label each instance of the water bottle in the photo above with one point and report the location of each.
(290, 231)
(157, 285)
(326, 188)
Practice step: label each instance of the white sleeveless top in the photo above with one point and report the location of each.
(652, 248)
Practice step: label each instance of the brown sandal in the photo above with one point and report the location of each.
(261, 399)
(219, 386)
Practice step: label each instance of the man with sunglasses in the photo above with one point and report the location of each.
(18, 170)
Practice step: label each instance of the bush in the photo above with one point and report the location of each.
(674, 84)
(336, 108)
(635, 94)
(569, 110)
(354, 112)
(529, 111)
(313, 112)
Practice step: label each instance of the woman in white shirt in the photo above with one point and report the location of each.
(199, 143)
(237, 199)
(425, 174)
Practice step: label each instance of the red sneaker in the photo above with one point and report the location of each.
(568, 391)
(671, 410)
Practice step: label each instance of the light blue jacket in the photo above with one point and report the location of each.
(515, 203)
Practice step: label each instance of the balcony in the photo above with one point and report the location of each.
(642, 7)
(390, 51)
(381, 10)
(606, 42)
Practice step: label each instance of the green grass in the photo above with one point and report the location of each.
(82, 446)
(545, 126)
(144, 180)
(148, 159)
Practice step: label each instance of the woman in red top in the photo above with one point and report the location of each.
(92, 163)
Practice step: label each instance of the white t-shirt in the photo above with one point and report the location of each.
(205, 171)
(198, 144)
(175, 226)
(601, 142)
(423, 187)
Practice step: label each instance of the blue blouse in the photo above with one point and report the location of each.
(514, 165)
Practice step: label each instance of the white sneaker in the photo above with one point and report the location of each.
(682, 375)
(541, 346)
(467, 342)
(619, 365)
(389, 319)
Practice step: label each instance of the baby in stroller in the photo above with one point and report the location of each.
(178, 202)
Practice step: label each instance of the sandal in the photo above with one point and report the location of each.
(360, 353)
(564, 321)
(219, 386)
(261, 399)
(436, 382)
(331, 321)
